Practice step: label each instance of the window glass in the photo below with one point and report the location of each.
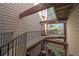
(55, 29)
(51, 14)
(48, 14)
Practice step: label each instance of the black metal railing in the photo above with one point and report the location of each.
(12, 47)
(5, 37)
(19, 45)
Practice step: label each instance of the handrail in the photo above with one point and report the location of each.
(11, 45)
(13, 39)
(17, 43)
(65, 44)
(2, 45)
(2, 34)
(24, 34)
(33, 46)
(57, 42)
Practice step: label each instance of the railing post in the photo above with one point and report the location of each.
(26, 42)
(0, 51)
(43, 43)
(41, 46)
(65, 47)
(8, 49)
(1, 39)
(18, 42)
(1, 43)
(13, 48)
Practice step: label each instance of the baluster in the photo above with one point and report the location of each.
(15, 47)
(12, 47)
(18, 46)
(1, 43)
(8, 49)
(1, 38)
(65, 48)
(0, 51)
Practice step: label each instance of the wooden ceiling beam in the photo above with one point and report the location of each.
(63, 14)
(40, 7)
(54, 20)
(64, 11)
(61, 9)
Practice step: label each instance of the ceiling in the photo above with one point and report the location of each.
(62, 10)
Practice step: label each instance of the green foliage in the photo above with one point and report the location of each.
(50, 13)
(52, 27)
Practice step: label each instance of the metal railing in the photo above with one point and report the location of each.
(19, 45)
(13, 47)
(5, 37)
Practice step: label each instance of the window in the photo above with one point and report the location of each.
(51, 14)
(51, 26)
(55, 29)
(48, 14)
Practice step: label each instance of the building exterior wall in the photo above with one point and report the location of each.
(10, 21)
(73, 32)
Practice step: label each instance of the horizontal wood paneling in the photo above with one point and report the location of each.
(10, 21)
(73, 32)
(9, 17)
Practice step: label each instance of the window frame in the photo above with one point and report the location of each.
(55, 21)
